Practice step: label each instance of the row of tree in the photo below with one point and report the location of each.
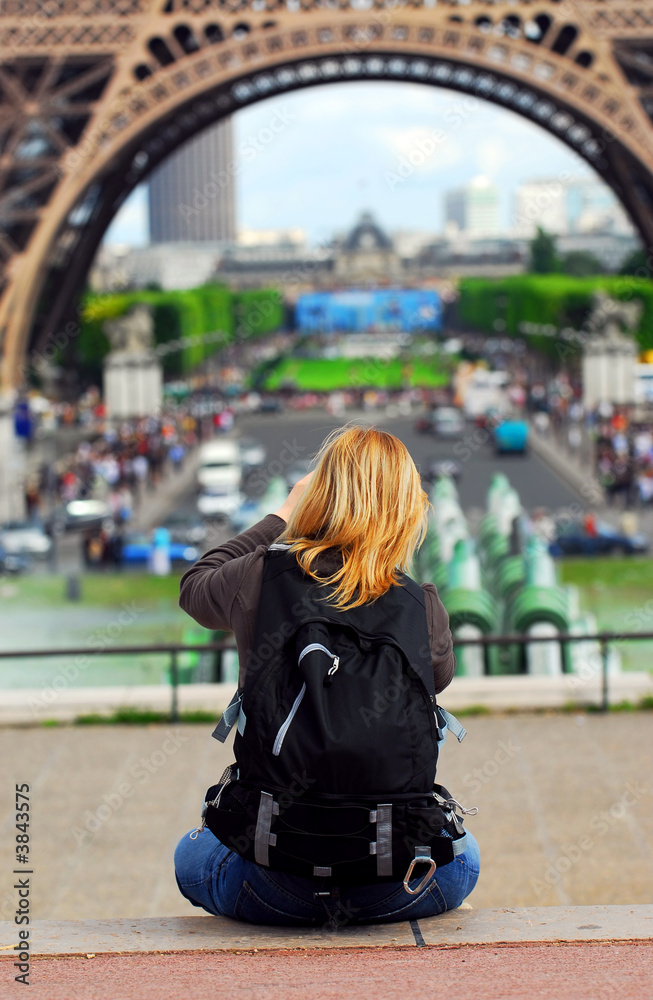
(544, 258)
(501, 305)
(179, 315)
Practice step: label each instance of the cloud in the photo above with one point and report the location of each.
(329, 163)
(417, 145)
(491, 155)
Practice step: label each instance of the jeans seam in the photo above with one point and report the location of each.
(289, 895)
(248, 892)
(419, 899)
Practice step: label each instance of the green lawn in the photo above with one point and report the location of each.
(619, 592)
(97, 589)
(327, 374)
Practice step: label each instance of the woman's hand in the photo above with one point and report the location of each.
(294, 497)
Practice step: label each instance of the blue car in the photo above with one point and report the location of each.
(137, 550)
(511, 436)
(575, 540)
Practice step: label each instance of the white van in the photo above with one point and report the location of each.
(220, 465)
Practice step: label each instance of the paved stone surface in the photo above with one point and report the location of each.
(526, 972)
(564, 819)
(457, 927)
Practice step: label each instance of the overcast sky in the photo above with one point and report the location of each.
(321, 156)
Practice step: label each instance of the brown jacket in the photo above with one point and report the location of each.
(221, 591)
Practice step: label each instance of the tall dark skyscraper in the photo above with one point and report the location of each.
(191, 195)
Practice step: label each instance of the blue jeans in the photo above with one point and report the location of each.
(221, 882)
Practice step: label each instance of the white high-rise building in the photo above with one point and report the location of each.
(540, 203)
(566, 206)
(191, 195)
(473, 210)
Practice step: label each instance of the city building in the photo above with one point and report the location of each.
(593, 208)
(191, 195)
(367, 254)
(164, 265)
(540, 203)
(455, 213)
(568, 205)
(473, 209)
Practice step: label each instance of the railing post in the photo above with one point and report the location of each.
(174, 681)
(605, 699)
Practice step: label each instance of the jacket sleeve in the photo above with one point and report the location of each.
(208, 590)
(442, 654)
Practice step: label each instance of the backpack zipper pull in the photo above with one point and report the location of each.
(328, 680)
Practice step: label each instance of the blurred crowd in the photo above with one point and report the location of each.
(120, 465)
(617, 441)
(624, 456)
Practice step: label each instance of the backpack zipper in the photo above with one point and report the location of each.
(313, 647)
(281, 735)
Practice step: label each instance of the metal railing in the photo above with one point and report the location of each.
(174, 649)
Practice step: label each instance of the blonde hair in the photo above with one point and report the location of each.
(365, 499)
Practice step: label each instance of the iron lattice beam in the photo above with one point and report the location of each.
(94, 94)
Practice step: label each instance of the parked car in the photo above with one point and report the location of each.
(443, 421)
(12, 563)
(24, 538)
(185, 527)
(576, 539)
(219, 502)
(270, 405)
(137, 550)
(79, 514)
(441, 467)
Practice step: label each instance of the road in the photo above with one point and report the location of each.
(289, 437)
(292, 436)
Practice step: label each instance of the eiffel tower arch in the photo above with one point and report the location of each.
(96, 93)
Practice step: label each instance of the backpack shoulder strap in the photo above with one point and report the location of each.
(233, 713)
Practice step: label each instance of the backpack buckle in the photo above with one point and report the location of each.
(422, 856)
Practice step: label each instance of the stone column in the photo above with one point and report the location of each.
(133, 385)
(133, 378)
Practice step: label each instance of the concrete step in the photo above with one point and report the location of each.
(464, 926)
(522, 692)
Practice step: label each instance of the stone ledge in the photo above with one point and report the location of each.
(501, 693)
(150, 935)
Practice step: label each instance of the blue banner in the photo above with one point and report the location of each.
(389, 310)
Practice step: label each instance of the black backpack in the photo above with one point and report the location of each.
(337, 741)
